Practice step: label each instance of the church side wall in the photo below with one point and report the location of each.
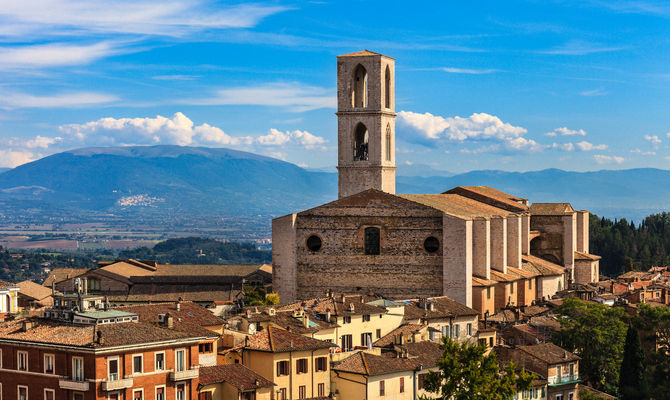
(403, 269)
(284, 257)
(457, 268)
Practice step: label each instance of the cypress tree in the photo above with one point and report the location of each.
(632, 384)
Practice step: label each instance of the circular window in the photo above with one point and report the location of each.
(431, 244)
(314, 243)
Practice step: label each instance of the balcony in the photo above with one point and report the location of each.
(117, 384)
(80, 386)
(563, 379)
(185, 374)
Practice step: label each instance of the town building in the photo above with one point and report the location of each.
(233, 382)
(33, 296)
(467, 243)
(9, 303)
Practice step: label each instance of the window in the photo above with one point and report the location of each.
(160, 393)
(360, 88)
(382, 389)
(378, 333)
(488, 293)
(402, 385)
(366, 317)
(181, 392)
(301, 366)
(457, 330)
(22, 392)
(302, 392)
(372, 240)
(77, 396)
(321, 390)
(138, 394)
(49, 394)
(137, 364)
(78, 369)
(361, 139)
(558, 374)
(282, 368)
(113, 368)
(366, 339)
(431, 244)
(346, 319)
(445, 331)
(571, 395)
(490, 342)
(113, 396)
(313, 243)
(93, 285)
(206, 347)
(160, 361)
(49, 364)
(206, 396)
(469, 329)
(572, 370)
(321, 364)
(388, 142)
(180, 360)
(22, 360)
(282, 394)
(387, 87)
(347, 342)
(559, 397)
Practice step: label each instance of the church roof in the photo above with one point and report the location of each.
(542, 266)
(456, 205)
(551, 209)
(491, 196)
(580, 255)
(362, 53)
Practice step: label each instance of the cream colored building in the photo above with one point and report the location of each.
(456, 243)
(233, 382)
(9, 294)
(298, 366)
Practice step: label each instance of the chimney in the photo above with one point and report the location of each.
(99, 339)
(169, 321)
(351, 307)
(431, 306)
(327, 314)
(178, 305)
(342, 299)
(27, 325)
(305, 320)
(85, 284)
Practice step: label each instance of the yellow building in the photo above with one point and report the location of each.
(233, 382)
(368, 376)
(8, 298)
(298, 365)
(444, 317)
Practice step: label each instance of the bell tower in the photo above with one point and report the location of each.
(365, 123)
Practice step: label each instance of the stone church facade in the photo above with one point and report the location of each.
(482, 247)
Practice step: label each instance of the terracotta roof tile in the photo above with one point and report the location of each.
(428, 353)
(549, 353)
(456, 205)
(34, 290)
(477, 281)
(237, 375)
(190, 317)
(361, 53)
(371, 365)
(5, 284)
(491, 196)
(278, 340)
(62, 274)
(551, 209)
(404, 330)
(542, 266)
(579, 255)
(443, 307)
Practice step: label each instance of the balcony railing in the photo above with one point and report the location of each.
(67, 383)
(185, 374)
(117, 384)
(564, 379)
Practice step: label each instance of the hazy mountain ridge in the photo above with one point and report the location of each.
(197, 181)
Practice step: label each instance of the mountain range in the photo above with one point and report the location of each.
(216, 181)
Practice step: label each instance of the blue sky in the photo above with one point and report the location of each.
(514, 85)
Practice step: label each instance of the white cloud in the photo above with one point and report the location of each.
(178, 130)
(643, 153)
(587, 146)
(294, 96)
(593, 93)
(655, 141)
(11, 100)
(563, 146)
(41, 142)
(563, 131)
(14, 158)
(140, 17)
(603, 159)
(469, 71)
(53, 55)
(278, 138)
(580, 48)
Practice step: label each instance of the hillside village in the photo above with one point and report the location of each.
(364, 293)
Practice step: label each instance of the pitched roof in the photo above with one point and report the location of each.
(33, 290)
(428, 353)
(491, 196)
(361, 53)
(456, 205)
(443, 307)
(502, 277)
(406, 329)
(370, 364)
(522, 273)
(551, 209)
(189, 316)
(542, 266)
(477, 281)
(278, 340)
(549, 353)
(5, 284)
(120, 334)
(172, 293)
(237, 375)
(337, 305)
(286, 320)
(62, 274)
(580, 255)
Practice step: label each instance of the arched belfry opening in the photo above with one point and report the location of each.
(387, 87)
(361, 138)
(387, 143)
(360, 87)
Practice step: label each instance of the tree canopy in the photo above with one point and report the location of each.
(632, 378)
(196, 250)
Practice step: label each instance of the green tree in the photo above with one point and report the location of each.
(632, 379)
(467, 373)
(653, 324)
(596, 333)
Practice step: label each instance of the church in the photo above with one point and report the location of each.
(482, 247)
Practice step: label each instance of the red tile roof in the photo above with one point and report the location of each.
(580, 255)
(541, 266)
(370, 364)
(237, 375)
(404, 330)
(277, 340)
(549, 353)
(491, 196)
(443, 307)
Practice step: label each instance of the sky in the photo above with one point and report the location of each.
(514, 85)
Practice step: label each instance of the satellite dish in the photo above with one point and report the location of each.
(252, 327)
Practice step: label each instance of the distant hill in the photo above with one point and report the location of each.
(4, 169)
(174, 180)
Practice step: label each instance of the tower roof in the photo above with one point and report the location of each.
(363, 53)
